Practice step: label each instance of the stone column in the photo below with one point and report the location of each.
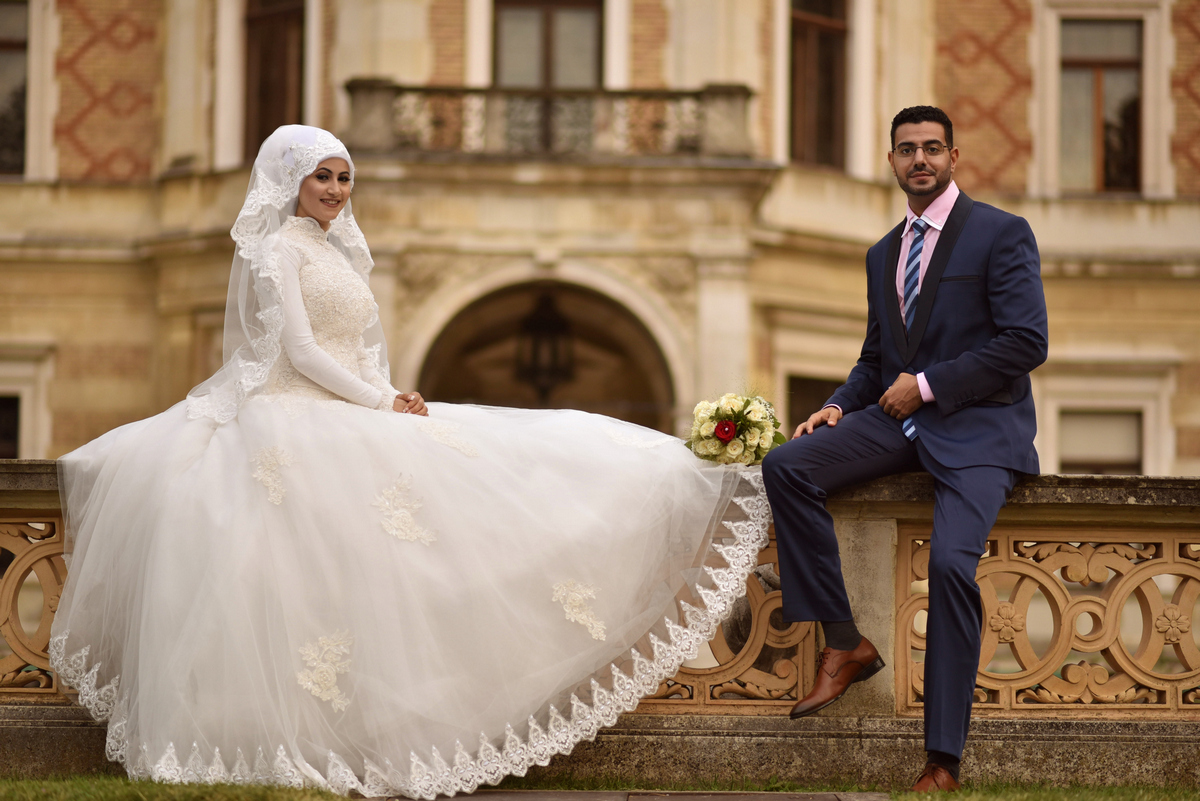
(722, 326)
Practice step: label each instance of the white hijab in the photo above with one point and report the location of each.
(254, 319)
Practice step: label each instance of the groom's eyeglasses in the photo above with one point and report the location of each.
(932, 150)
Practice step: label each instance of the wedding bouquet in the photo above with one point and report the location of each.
(735, 430)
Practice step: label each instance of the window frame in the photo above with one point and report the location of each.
(26, 370)
(1097, 67)
(1088, 384)
(1156, 172)
(547, 7)
(251, 117)
(22, 45)
(802, 92)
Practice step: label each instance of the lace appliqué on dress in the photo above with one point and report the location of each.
(573, 597)
(327, 659)
(398, 508)
(445, 433)
(267, 463)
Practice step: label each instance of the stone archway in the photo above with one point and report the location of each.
(619, 369)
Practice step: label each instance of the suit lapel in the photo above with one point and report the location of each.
(891, 298)
(933, 275)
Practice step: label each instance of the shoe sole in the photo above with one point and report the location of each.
(864, 674)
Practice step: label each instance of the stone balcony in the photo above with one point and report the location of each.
(1090, 671)
(439, 121)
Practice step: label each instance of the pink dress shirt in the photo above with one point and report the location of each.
(936, 215)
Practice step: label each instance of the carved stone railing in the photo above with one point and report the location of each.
(1077, 620)
(1090, 588)
(32, 574)
(1079, 569)
(387, 118)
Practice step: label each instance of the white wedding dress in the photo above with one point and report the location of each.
(320, 591)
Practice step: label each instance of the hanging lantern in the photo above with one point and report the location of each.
(544, 355)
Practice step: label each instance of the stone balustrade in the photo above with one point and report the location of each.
(1090, 670)
(386, 118)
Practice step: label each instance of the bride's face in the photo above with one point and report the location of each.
(325, 192)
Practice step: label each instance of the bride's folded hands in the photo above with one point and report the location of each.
(410, 403)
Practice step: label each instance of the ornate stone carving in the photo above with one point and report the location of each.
(29, 546)
(1053, 595)
(764, 665)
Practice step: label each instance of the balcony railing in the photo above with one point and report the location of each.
(386, 117)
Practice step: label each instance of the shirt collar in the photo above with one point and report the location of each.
(938, 211)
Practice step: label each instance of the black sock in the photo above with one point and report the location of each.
(947, 761)
(841, 635)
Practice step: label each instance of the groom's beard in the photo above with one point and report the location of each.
(941, 181)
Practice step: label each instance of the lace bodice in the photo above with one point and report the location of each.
(326, 308)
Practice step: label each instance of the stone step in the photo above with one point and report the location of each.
(49, 739)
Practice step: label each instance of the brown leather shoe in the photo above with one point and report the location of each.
(836, 672)
(935, 778)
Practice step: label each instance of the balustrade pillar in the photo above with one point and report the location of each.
(372, 114)
(724, 131)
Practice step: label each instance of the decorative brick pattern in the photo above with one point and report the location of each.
(1185, 92)
(984, 82)
(448, 30)
(109, 68)
(648, 23)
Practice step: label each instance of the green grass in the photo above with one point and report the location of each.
(115, 788)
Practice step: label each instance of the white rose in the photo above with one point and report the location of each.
(708, 447)
(756, 412)
(703, 410)
(730, 403)
(747, 457)
(707, 429)
(751, 436)
(735, 448)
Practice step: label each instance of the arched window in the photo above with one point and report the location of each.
(274, 68)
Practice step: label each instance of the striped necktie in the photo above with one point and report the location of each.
(912, 279)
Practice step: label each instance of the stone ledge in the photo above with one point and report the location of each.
(1044, 489)
(28, 475)
(41, 475)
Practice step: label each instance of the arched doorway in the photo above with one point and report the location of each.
(604, 359)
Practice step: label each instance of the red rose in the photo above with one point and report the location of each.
(725, 431)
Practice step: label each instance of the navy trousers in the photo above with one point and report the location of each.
(864, 445)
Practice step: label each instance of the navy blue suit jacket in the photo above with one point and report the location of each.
(980, 329)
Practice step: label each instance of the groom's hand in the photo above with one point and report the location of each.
(827, 416)
(903, 397)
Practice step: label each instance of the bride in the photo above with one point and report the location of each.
(300, 576)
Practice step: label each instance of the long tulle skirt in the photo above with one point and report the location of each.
(316, 593)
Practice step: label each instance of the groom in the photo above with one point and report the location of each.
(956, 320)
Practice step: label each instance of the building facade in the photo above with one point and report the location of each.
(617, 205)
